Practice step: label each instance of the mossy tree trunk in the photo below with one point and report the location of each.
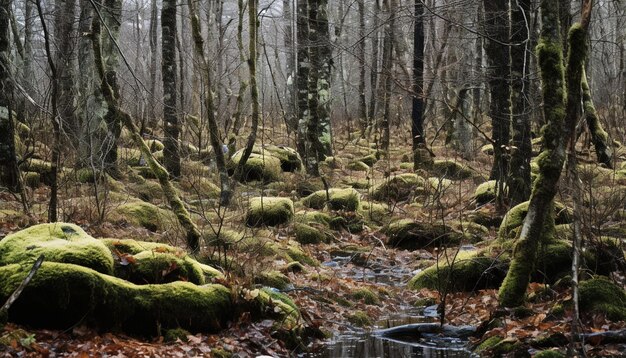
(111, 96)
(290, 65)
(518, 182)
(302, 77)
(599, 138)
(214, 136)
(171, 150)
(243, 85)
(363, 121)
(387, 67)
(321, 74)
(498, 61)
(561, 96)
(253, 24)
(9, 172)
(65, 59)
(374, 77)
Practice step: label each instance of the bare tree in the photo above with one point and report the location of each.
(171, 151)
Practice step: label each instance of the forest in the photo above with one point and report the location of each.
(313, 178)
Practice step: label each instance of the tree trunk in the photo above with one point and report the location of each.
(111, 95)
(153, 35)
(374, 74)
(387, 74)
(290, 53)
(171, 153)
(363, 121)
(599, 138)
(498, 59)
(303, 70)
(561, 96)
(321, 70)
(518, 182)
(214, 135)
(64, 34)
(417, 111)
(9, 172)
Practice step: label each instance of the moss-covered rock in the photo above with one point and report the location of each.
(313, 217)
(599, 294)
(61, 295)
(155, 145)
(175, 334)
(350, 221)
(259, 167)
(59, 242)
(377, 213)
(398, 188)
(549, 354)
(451, 170)
(270, 211)
(468, 271)
(309, 234)
(272, 278)
(290, 160)
(338, 199)
(514, 219)
(200, 186)
(413, 235)
(147, 215)
(32, 179)
(485, 193)
(148, 190)
(358, 166)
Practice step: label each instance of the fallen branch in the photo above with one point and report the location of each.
(16, 294)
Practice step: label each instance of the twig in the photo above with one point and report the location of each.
(16, 294)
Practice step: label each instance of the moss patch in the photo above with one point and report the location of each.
(398, 188)
(599, 294)
(485, 193)
(144, 214)
(59, 242)
(269, 211)
(61, 295)
(360, 319)
(338, 199)
(273, 279)
(308, 234)
(413, 235)
(259, 167)
(451, 170)
(365, 294)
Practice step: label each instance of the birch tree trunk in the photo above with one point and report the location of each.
(290, 53)
(303, 70)
(171, 150)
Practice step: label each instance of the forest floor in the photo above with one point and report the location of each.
(356, 282)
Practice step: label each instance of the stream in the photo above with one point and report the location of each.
(362, 343)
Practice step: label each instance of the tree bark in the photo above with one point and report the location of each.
(599, 137)
(498, 60)
(561, 96)
(111, 95)
(363, 121)
(290, 53)
(9, 172)
(417, 111)
(303, 70)
(518, 182)
(64, 34)
(387, 67)
(171, 150)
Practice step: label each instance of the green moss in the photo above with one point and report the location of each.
(148, 190)
(293, 252)
(414, 235)
(339, 199)
(290, 160)
(60, 295)
(131, 156)
(514, 219)
(143, 214)
(470, 230)
(269, 211)
(312, 217)
(259, 167)
(200, 186)
(487, 149)
(59, 242)
(370, 159)
(549, 354)
(350, 221)
(360, 319)
(365, 294)
(488, 344)
(451, 170)
(467, 272)
(267, 303)
(438, 185)
(151, 266)
(32, 179)
(485, 193)
(398, 188)
(377, 213)
(37, 166)
(273, 279)
(155, 145)
(358, 166)
(307, 234)
(173, 335)
(599, 294)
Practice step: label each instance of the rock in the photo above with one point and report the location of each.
(61, 294)
(147, 215)
(485, 192)
(308, 234)
(413, 235)
(514, 219)
(358, 166)
(398, 188)
(339, 199)
(601, 295)
(272, 278)
(59, 242)
(270, 211)
(467, 272)
(259, 167)
(290, 160)
(450, 169)
(365, 294)
(155, 145)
